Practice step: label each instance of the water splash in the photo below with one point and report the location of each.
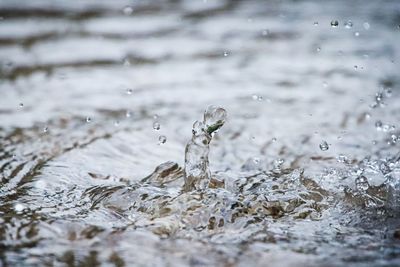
(197, 173)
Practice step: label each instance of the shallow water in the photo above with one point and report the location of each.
(98, 99)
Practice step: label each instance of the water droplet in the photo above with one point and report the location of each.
(356, 34)
(18, 207)
(126, 62)
(395, 138)
(366, 25)
(162, 139)
(325, 84)
(342, 158)
(129, 91)
(128, 114)
(127, 10)
(348, 24)
(355, 67)
(316, 23)
(318, 49)
(156, 126)
(388, 92)
(362, 183)
(256, 160)
(257, 97)
(324, 146)
(45, 129)
(378, 125)
(116, 123)
(265, 32)
(88, 119)
(214, 117)
(334, 23)
(226, 53)
(274, 140)
(21, 105)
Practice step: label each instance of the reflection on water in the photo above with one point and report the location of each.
(96, 108)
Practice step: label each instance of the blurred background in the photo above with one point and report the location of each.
(97, 93)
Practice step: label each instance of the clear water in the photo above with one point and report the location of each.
(98, 99)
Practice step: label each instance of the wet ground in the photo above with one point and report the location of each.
(96, 97)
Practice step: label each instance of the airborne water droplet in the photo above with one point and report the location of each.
(316, 23)
(378, 125)
(156, 126)
(334, 23)
(21, 105)
(88, 119)
(162, 139)
(129, 91)
(348, 24)
(226, 53)
(128, 10)
(324, 146)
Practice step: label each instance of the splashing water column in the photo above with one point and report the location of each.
(197, 173)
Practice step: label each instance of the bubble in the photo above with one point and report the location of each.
(129, 91)
(45, 129)
(316, 23)
(88, 119)
(274, 140)
(162, 139)
(348, 24)
(318, 49)
(127, 10)
(324, 146)
(226, 53)
(362, 183)
(334, 23)
(325, 84)
(21, 105)
(394, 138)
(156, 126)
(356, 34)
(116, 123)
(128, 114)
(366, 25)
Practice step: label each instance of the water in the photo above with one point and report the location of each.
(79, 189)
